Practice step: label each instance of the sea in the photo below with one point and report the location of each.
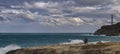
(12, 41)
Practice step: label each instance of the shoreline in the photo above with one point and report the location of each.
(98, 48)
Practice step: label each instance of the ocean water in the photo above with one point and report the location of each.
(12, 41)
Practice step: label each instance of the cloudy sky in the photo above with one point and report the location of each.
(39, 16)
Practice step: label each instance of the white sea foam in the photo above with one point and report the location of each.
(4, 50)
(73, 41)
(97, 42)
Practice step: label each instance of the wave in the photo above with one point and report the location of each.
(73, 41)
(98, 41)
(8, 48)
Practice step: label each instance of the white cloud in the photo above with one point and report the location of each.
(83, 9)
(36, 5)
(12, 11)
(16, 6)
(65, 13)
(57, 15)
(27, 5)
(14, 15)
(40, 4)
(29, 16)
(61, 21)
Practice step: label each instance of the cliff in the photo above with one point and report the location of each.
(99, 48)
(109, 30)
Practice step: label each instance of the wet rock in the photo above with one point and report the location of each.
(100, 48)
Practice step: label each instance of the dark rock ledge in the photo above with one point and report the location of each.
(99, 48)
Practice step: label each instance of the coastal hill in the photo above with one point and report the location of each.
(109, 30)
(98, 48)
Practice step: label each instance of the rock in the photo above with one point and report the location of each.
(109, 30)
(100, 48)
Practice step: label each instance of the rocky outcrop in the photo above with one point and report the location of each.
(99, 48)
(109, 30)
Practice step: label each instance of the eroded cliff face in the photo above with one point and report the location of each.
(109, 30)
(99, 48)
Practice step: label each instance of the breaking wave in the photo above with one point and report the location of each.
(73, 41)
(8, 48)
(98, 41)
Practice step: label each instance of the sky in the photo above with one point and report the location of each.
(56, 16)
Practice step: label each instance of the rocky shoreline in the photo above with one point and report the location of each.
(109, 30)
(98, 48)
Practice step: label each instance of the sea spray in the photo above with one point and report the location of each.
(98, 41)
(73, 41)
(8, 48)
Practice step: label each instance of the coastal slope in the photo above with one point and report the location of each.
(109, 30)
(98, 48)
